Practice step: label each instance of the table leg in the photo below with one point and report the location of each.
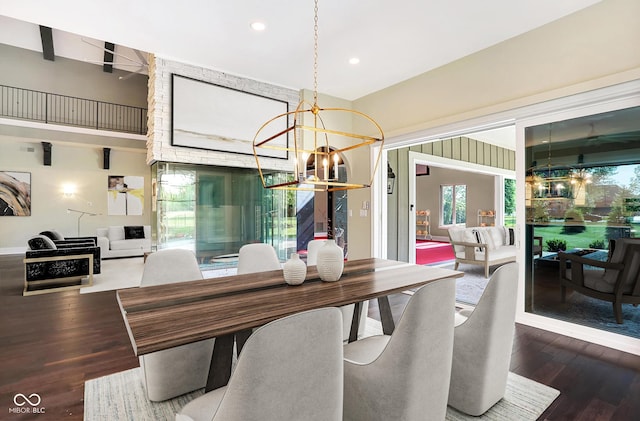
(220, 369)
(355, 322)
(385, 315)
(241, 338)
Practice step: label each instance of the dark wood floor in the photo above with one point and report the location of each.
(51, 344)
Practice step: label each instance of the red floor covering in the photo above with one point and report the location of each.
(429, 252)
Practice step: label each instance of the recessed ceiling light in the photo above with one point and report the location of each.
(258, 26)
(354, 60)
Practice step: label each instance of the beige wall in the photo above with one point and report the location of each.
(77, 165)
(27, 69)
(480, 194)
(590, 49)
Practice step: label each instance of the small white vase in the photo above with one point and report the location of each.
(330, 261)
(294, 270)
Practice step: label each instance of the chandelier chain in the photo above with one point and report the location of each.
(315, 54)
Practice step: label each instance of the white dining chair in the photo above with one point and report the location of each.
(289, 369)
(404, 376)
(175, 371)
(483, 341)
(347, 311)
(257, 257)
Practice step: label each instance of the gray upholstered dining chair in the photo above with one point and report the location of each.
(289, 369)
(404, 376)
(175, 371)
(257, 257)
(347, 311)
(483, 341)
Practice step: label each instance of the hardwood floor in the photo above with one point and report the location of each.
(51, 343)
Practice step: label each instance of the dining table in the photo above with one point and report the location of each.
(228, 308)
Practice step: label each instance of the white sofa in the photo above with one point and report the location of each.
(485, 246)
(124, 241)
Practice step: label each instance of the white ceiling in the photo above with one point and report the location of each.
(394, 40)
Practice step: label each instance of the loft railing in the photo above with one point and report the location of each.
(46, 107)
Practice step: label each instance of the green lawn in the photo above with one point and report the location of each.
(592, 233)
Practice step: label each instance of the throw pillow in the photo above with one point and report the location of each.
(133, 232)
(116, 233)
(41, 242)
(53, 234)
(479, 238)
(512, 237)
(48, 234)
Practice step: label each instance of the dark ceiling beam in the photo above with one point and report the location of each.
(109, 48)
(47, 43)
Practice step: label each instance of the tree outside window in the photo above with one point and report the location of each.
(453, 200)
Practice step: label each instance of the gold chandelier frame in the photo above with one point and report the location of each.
(326, 156)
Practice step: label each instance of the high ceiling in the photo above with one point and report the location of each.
(394, 41)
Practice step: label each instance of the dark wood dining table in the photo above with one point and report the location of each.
(228, 308)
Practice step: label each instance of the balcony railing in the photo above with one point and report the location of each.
(61, 109)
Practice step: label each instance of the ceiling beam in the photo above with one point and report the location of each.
(47, 43)
(109, 48)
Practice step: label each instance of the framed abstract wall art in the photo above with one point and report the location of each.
(125, 195)
(15, 193)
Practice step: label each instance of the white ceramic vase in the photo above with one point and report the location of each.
(294, 270)
(330, 261)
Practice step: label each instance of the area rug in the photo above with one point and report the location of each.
(121, 396)
(469, 288)
(429, 252)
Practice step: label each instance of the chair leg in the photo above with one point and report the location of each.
(617, 311)
(563, 294)
(486, 271)
(455, 267)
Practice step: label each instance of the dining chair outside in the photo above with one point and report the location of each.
(404, 376)
(289, 369)
(175, 371)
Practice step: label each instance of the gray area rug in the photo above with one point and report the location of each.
(469, 288)
(121, 396)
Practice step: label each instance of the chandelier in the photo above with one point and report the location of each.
(316, 151)
(557, 181)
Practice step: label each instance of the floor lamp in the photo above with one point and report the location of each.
(82, 213)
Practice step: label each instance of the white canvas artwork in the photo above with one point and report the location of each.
(125, 195)
(208, 116)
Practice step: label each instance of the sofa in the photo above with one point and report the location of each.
(485, 246)
(124, 241)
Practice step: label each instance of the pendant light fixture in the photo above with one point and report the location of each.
(315, 150)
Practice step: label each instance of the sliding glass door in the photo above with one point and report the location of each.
(582, 190)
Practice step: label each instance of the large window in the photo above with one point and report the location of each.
(453, 204)
(509, 202)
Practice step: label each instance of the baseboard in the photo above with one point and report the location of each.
(12, 250)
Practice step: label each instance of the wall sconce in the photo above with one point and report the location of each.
(68, 190)
(391, 179)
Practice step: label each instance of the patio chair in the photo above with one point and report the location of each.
(618, 283)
